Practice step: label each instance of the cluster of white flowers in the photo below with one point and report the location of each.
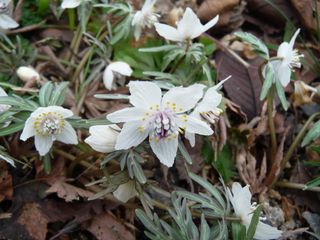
(6, 21)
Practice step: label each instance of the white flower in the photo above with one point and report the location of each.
(3, 107)
(72, 3)
(115, 69)
(241, 201)
(6, 22)
(126, 191)
(207, 108)
(290, 58)
(160, 118)
(103, 137)
(28, 74)
(48, 124)
(189, 27)
(144, 18)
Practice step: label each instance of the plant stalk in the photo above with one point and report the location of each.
(272, 129)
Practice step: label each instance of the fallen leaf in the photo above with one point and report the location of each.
(106, 227)
(33, 219)
(244, 86)
(6, 189)
(67, 191)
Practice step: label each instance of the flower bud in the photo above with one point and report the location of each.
(103, 137)
(28, 74)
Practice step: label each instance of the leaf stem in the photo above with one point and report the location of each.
(271, 123)
(180, 61)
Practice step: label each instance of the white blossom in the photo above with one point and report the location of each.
(159, 118)
(6, 21)
(289, 58)
(144, 18)
(240, 198)
(126, 191)
(189, 27)
(207, 108)
(103, 137)
(72, 3)
(113, 70)
(28, 74)
(3, 107)
(48, 124)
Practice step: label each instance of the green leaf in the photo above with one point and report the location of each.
(204, 229)
(158, 49)
(238, 231)
(19, 102)
(45, 94)
(184, 152)
(256, 43)
(267, 83)
(313, 134)
(281, 94)
(224, 163)
(12, 128)
(313, 183)
(58, 94)
(86, 123)
(315, 148)
(254, 222)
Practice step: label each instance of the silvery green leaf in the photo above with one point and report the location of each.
(12, 128)
(281, 95)
(268, 81)
(161, 76)
(6, 157)
(45, 93)
(184, 152)
(238, 231)
(312, 134)
(256, 43)
(19, 102)
(204, 229)
(86, 123)
(58, 94)
(138, 172)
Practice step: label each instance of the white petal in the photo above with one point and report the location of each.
(131, 135)
(63, 111)
(127, 115)
(210, 101)
(120, 67)
(168, 32)
(144, 94)
(103, 137)
(240, 199)
(165, 150)
(28, 74)
(70, 3)
(28, 130)
(293, 39)
(210, 24)
(108, 78)
(125, 191)
(6, 22)
(184, 98)
(68, 135)
(3, 107)
(148, 5)
(189, 26)
(266, 232)
(284, 50)
(284, 74)
(194, 125)
(191, 137)
(43, 144)
(3, 92)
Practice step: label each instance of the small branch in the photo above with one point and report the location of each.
(298, 186)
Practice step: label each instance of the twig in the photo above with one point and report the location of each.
(298, 186)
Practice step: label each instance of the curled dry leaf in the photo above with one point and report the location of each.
(211, 8)
(67, 191)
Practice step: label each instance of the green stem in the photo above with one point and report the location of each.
(72, 18)
(271, 123)
(47, 164)
(298, 139)
(298, 186)
(178, 63)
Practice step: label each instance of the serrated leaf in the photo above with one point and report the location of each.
(256, 43)
(313, 134)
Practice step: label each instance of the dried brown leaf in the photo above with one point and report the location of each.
(6, 189)
(67, 191)
(33, 219)
(105, 226)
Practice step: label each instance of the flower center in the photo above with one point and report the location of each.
(295, 59)
(163, 125)
(49, 123)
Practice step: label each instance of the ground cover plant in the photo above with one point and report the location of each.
(159, 119)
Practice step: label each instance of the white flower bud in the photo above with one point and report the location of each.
(28, 74)
(103, 137)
